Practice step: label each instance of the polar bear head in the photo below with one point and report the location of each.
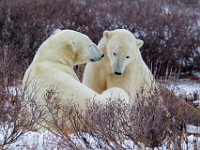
(122, 48)
(74, 46)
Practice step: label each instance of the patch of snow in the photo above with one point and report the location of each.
(197, 74)
(182, 86)
(193, 129)
(36, 140)
(47, 140)
(197, 102)
(190, 139)
(137, 34)
(166, 9)
(15, 90)
(40, 141)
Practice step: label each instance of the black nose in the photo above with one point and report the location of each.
(102, 55)
(93, 60)
(118, 73)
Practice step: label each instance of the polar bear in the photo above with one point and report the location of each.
(53, 65)
(52, 68)
(122, 65)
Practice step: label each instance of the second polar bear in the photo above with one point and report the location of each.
(122, 65)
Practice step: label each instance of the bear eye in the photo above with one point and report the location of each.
(114, 54)
(127, 57)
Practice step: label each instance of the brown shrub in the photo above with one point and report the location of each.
(13, 118)
(169, 29)
(144, 124)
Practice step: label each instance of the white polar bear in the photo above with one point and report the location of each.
(122, 66)
(52, 68)
(53, 65)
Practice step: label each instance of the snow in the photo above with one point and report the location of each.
(40, 141)
(197, 102)
(193, 129)
(197, 74)
(182, 86)
(15, 90)
(48, 140)
(30, 140)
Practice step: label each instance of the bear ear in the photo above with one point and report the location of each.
(139, 43)
(72, 45)
(107, 34)
(56, 31)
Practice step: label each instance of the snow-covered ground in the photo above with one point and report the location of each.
(182, 86)
(47, 140)
(185, 87)
(44, 141)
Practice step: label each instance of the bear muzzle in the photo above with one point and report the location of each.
(97, 58)
(118, 73)
(93, 60)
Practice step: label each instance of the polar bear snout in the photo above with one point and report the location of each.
(93, 60)
(95, 53)
(117, 66)
(97, 58)
(118, 71)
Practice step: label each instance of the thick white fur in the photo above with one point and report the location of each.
(121, 55)
(52, 68)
